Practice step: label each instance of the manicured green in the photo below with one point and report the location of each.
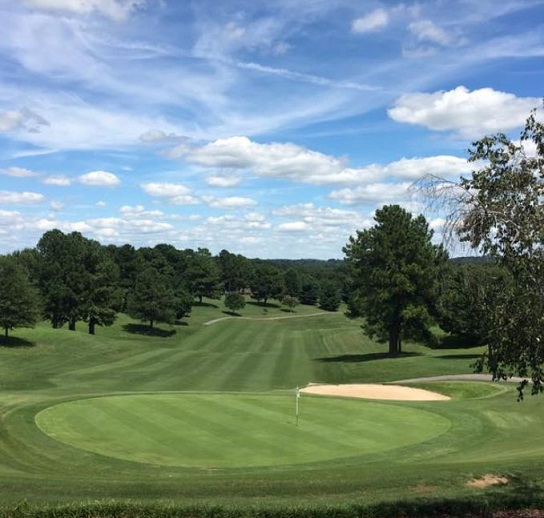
(210, 430)
(206, 413)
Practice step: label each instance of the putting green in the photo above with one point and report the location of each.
(226, 430)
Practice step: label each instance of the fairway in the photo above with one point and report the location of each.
(219, 431)
(205, 414)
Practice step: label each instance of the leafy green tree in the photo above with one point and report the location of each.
(100, 295)
(501, 213)
(60, 271)
(467, 293)
(236, 271)
(329, 296)
(395, 271)
(235, 301)
(203, 275)
(184, 302)
(290, 301)
(19, 300)
(292, 282)
(309, 290)
(267, 283)
(152, 299)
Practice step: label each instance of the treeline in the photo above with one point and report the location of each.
(68, 278)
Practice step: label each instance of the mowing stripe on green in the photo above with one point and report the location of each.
(235, 430)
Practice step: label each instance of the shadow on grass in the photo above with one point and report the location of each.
(470, 356)
(15, 342)
(181, 323)
(360, 358)
(269, 305)
(454, 342)
(231, 313)
(291, 312)
(143, 329)
(205, 305)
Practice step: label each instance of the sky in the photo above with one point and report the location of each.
(272, 129)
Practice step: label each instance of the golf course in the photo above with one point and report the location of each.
(202, 414)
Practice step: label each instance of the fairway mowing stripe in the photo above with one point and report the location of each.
(238, 369)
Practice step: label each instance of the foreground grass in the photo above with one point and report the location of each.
(234, 372)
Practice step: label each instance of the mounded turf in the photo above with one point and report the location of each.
(258, 361)
(211, 431)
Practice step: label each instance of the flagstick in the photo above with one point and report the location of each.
(297, 397)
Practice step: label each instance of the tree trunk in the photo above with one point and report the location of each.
(394, 340)
(6, 331)
(92, 325)
(72, 324)
(151, 324)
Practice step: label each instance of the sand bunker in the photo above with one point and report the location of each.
(374, 391)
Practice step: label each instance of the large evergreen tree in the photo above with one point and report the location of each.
(19, 300)
(152, 299)
(394, 271)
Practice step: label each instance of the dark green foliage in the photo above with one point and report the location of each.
(60, 269)
(309, 290)
(394, 269)
(292, 282)
(467, 294)
(152, 299)
(290, 301)
(202, 275)
(236, 271)
(235, 301)
(184, 302)
(267, 283)
(19, 300)
(503, 217)
(329, 296)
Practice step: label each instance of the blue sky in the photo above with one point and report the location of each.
(270, 129)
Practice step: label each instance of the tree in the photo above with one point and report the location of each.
(467, 292)
(236, 271)
(290, 301)
(309, 290)
(60, 271)
(329, 296)
(292, 282)
(267, 283)
(152, 299)
(203, 275)
(500, 212)
(19, 300)
(100, 295)
(394, 271)
(235, 301)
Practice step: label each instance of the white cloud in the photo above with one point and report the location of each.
(56, 205)
(293, 226)
(175, 193)
(24, 119)
(271, 160)
(155, 135)
(115, 9)
(223, 181)
(18, 172)
(100, 179)
(376, 193)
(232, 202)
(21, 197)
(59, 180)
(374, 21)
(426, 30)
(140, 211)
(471, 114)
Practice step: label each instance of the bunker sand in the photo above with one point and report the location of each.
(375, 391)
